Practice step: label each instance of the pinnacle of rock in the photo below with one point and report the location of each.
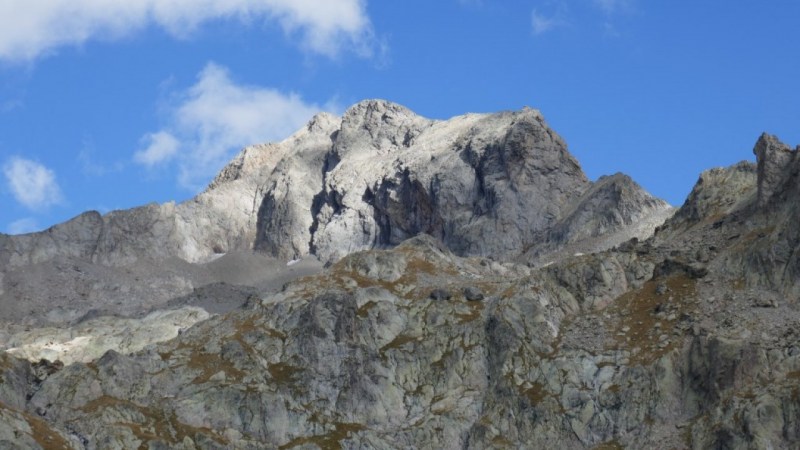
(773, 158)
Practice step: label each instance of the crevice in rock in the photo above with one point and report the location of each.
(403, 209)
(324, 197)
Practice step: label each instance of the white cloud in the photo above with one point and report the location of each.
(161, 147)
(33, 185)
(30, 28)
(216, 118)
(541, 23)
(22, 226)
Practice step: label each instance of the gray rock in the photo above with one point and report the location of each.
(774, 158)
(440, 294)
(473, 294)
(718, 192)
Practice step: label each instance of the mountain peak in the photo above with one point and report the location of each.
(372, 178)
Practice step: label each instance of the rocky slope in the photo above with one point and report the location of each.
(456, 338)
(499, 185)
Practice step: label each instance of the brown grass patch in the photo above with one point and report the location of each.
(610, 445)
(44, 435)
(397, 343)
(501, 442)
(363, 311)
(158, 425)
(638, 313)
(475, 309)
(535, 394)
(329, 441)
(210, 364)
(283, 373)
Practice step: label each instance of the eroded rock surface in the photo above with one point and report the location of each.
(631, 348)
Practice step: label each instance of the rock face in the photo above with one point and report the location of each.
(498, 185)
(650, 345)
(487, 185)
(774, 157)
(484, 184)
(427, 330)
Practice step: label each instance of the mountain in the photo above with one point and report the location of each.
(478, 292)
(497, 185)
(373, 178)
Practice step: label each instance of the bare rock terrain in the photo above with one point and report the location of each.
(479, 292)
(499, 185)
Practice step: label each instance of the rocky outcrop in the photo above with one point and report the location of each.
(89, 339)
(623, 349)
(488, 185)
(224, 218)
(751, 205)
(613, 210)
(718, 193)
(774, 161)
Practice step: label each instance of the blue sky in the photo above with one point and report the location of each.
(109, 105)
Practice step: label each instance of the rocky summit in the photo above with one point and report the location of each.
(382, 280)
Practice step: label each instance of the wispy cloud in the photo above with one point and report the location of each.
(160, 147)
(29, 29)
(91, 167)
(542, 23)
(22, 226)
(549, 15)
(10, 105)
(32, 184)
(215, 118)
